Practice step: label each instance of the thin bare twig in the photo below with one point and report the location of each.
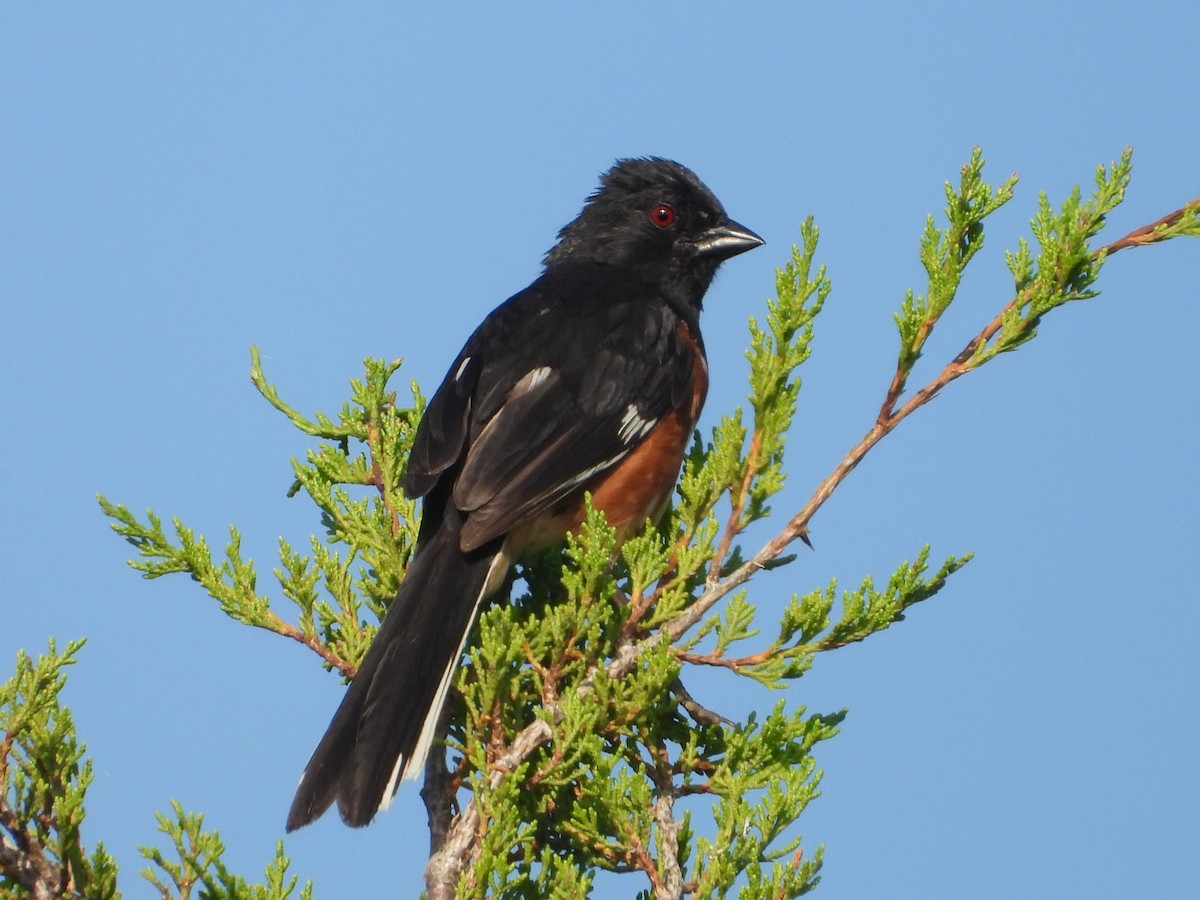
(737, 507)
(313, 643)
(1152, 233)
(701, 715)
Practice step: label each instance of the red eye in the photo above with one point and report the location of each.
(662, 216)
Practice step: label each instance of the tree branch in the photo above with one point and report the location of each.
(451, 859)
(888, 419)
(24, 860)
(312, 642)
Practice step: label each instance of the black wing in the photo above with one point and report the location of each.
(555, 386)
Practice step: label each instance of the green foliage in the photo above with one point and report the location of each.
(44, 777)
(198, 871)
(767, 779)
(945, 253)
(1065, 268)
(806, 628)
(366, 447)
(774, 357)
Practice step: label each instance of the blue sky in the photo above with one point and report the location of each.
(369, 180)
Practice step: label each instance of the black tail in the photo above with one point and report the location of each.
(382, 731)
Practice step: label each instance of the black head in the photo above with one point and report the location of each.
(657, 222)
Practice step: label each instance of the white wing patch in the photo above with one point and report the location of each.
(633, 426)
(588, 473)
(529, 381)
(462, 367)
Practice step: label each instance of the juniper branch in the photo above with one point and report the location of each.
(1181, 222)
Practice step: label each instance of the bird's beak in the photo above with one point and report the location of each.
(727, 239)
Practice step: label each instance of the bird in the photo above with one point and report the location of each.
(589, 381)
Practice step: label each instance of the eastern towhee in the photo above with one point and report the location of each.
(588, 381)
